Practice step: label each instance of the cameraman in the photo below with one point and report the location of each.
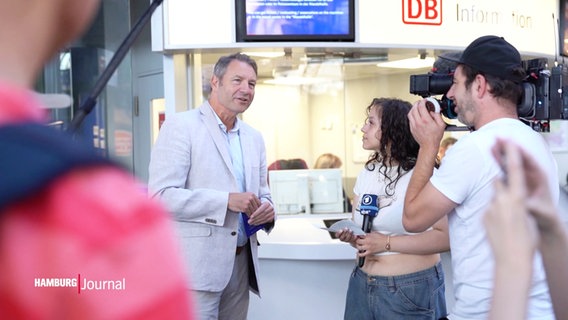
(486, 87)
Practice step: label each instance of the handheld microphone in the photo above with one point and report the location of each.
(369, 208)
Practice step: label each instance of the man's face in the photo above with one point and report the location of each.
(235, 91)
(462, 97)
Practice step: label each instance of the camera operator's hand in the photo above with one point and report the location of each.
(427, 127)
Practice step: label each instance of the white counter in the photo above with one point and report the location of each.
(303, 271)
(299, 237)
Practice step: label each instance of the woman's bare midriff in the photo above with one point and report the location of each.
(398, 264)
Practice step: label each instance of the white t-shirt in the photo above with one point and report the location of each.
(466, 177)
(563, 205)
(389, 219)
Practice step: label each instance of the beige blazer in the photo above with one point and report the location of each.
(191, 173)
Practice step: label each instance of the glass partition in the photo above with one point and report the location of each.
(75, 71)
(310, 102)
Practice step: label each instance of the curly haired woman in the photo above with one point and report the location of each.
(402, 275)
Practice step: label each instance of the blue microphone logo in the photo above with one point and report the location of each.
(369, 205)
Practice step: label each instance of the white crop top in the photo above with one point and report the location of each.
(389, 219)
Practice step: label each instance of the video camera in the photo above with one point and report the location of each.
(434, 83)
(545, 97)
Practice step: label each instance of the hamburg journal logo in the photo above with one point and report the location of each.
(427, 12)
(81, 284)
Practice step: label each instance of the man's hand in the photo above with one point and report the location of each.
(246, 202)
(264, 214)
(427, 127)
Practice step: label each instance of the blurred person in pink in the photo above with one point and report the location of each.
(85, 242)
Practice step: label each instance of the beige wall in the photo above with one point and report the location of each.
(282, 115)
(300, 122)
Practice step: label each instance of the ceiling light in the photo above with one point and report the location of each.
(265, 54)
(411, 63)
(298, 81)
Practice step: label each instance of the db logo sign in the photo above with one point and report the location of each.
(422, 12)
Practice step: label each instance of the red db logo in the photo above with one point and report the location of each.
(422, 12)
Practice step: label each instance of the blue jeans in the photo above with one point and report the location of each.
(418, 295)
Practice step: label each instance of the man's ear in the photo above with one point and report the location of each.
(480, 85)
(214, 82)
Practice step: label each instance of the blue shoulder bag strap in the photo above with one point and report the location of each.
(33, 155)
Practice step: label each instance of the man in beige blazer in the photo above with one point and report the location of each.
(209, 169)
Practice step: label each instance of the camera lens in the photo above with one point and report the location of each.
(448, 108)
(432, 104)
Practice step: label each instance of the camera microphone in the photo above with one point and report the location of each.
(369, 208)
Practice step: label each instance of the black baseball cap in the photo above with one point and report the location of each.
(491, 55)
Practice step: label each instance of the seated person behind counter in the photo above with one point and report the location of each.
(331, 161)
(289, 164)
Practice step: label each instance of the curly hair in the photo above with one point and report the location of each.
(397, 145)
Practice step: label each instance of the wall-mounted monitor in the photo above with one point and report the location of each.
(307, 191)
(291, 21)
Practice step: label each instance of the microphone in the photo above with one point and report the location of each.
(369, 208)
